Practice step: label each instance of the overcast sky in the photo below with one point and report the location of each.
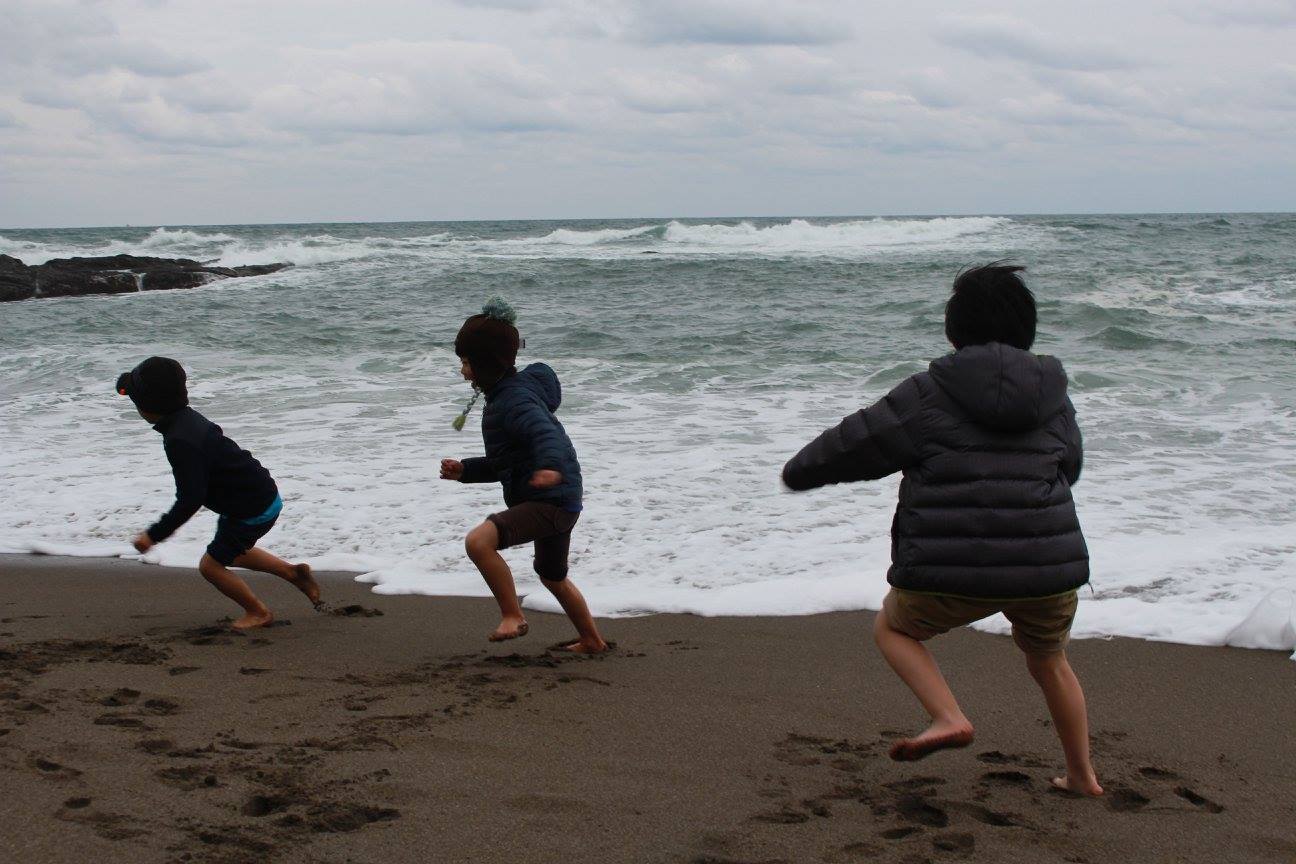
(235, 111)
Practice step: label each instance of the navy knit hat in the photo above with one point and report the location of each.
(490, 342)
(157, 386)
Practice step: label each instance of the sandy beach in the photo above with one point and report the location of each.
(135, 727)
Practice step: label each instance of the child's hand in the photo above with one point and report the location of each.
(451, 469)
(545, 479)
(143, 542)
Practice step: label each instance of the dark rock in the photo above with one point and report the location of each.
(16, 280)
(112, 274)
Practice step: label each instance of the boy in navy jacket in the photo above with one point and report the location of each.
(529, 453)
(211, 470)
(989, 447)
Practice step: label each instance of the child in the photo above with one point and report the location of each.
(988, 444)
(528, 451)
(211, 470)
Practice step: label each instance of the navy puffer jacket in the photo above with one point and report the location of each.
(523, 436)
(988, 443)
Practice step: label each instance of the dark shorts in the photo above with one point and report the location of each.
(1039, 626)
(234, 537)
(546, 525)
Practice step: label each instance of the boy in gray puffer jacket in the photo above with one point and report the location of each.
(989, 448)
(528, 451)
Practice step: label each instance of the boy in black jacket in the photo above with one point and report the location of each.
(212, 470)
(528, 451)
(989, 447)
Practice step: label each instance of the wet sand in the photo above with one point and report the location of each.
(134, 726)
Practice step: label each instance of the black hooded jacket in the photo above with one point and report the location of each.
(523, 436)
(988, 443)
(210, 470)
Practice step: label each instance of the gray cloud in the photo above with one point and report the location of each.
(732, 22)
(245, 111)
(1244, 13)
(999, 37)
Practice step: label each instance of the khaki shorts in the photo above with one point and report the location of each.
(1039, 626)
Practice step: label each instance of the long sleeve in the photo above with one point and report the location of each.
(1073, 458)
(190, 470)
(478, 470)
(869, 444)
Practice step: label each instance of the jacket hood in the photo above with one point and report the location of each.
(1001, 387)
(538, 378)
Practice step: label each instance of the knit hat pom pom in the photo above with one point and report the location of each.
(499, 309)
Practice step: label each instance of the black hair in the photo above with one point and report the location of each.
(991, 303)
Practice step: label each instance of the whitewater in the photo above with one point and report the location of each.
(696, 357)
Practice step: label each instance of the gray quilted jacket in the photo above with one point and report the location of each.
(988, 443)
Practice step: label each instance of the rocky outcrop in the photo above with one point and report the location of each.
(113, 274)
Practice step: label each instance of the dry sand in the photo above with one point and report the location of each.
(135, 727)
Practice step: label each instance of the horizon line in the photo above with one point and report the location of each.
(729, 217)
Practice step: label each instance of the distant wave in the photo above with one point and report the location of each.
(854, 238)
(795, 236)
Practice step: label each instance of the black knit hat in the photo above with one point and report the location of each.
(490, 342)
(157, 386)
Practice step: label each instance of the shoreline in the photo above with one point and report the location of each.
(134, 725)
(55, 560)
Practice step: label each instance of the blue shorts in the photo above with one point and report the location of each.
(236, 536)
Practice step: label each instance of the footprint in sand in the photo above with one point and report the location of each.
(915, 784)
(188, 777)
(119, 697)
(1006, 778)
(355, 610)
(899, 833)
(915, 808)
(52, 769)
(339, 818)
(259, 806)
(993, 818)
(995, 757)
(120, 721)
(1126, 800)
(161, 707)
(1154, 773)
(107, 825)
(1198, 801)
(960, 843)
(786, 816)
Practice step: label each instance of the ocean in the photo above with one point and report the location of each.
(696, 357)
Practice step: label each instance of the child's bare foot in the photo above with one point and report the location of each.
(1087, 787)
(305, 583)
(939, 736)
(253, 620)
(583, 646)
(509, 628)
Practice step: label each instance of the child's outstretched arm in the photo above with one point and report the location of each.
(190, 472)
(871, 443)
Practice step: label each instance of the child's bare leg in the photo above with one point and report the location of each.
(298, 575)
(257, 614)
(482, 545)
(573, 603)
(1066, 704)
(917, 668)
